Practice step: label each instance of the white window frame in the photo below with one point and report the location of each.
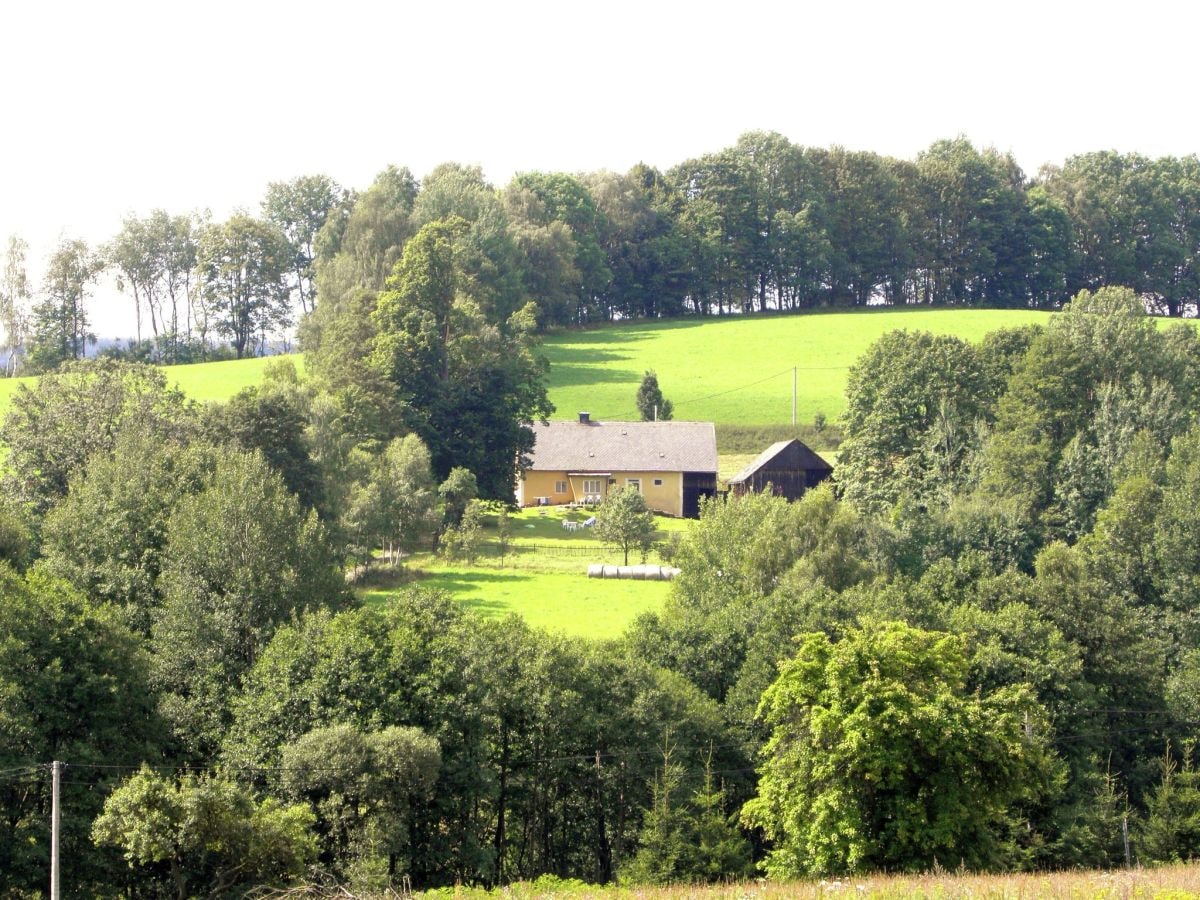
(593, 486)
(634, 482)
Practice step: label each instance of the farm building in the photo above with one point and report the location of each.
(673, 464)
(789, 467)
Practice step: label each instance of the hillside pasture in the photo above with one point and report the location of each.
(735, 371)
(202, 382)
(738, 370)
(205, 382)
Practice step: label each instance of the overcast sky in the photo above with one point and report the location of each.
(121, 107)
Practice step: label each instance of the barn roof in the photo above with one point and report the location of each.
(625, 447)
(790, 455)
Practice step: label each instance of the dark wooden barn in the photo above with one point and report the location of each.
(696, 486)
(789, 467)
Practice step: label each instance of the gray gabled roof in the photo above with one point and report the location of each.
(793, 454)
(625, 447)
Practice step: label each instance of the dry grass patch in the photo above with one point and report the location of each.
(1163, 883)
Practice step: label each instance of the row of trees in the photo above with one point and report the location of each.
(762, 225)
(195, 285)
(767, 224)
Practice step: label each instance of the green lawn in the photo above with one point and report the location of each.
(221, 380)
(543, 579)
(745, 361)
(573, 604)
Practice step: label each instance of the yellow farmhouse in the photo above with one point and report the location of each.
(673, 464)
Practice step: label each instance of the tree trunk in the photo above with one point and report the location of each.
(501, 802)
(603, 848)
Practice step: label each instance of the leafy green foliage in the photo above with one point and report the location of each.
(1087, 385)
(1171, 832)
(624, 521)
(108, 535)
(241, 265)
(650, 402)
(240, 558)
(457, 492)
(467, 387)
(53, 428)
(358, 247)
(153, 258)
(880, 759)
(1022, 504)
(462, 541)
(15, 298)
(503, 531)
(299, 208)
(687, 840)
(74, 685)
(204, 834)
(271, 419)
(740, 555)
(912, 404)
(362, 787)
(511, 709)
(61, 330)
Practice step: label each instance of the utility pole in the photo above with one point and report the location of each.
(793, 396)
(55, 822)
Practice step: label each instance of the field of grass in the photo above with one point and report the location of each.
(736, 370)
(220, 380)
(202, 382)
(1179, 882)
(542, 578)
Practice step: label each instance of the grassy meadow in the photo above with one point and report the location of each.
(738, 370)
(542, 577)
(1179, 882)
(735, 371)
(202, 382)
(732, 371)
(221, 380)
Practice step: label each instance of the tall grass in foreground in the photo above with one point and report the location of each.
(1178, 882)
(1167, 883)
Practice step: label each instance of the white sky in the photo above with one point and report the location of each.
(121, 107)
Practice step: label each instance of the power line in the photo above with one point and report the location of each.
(587, 758)
(26, 768)
(35, 773)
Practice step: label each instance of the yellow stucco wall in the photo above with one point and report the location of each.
(666, 497)
(541, 484)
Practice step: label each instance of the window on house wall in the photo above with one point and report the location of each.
(658, 482)
(560, 487)
(592, 486)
